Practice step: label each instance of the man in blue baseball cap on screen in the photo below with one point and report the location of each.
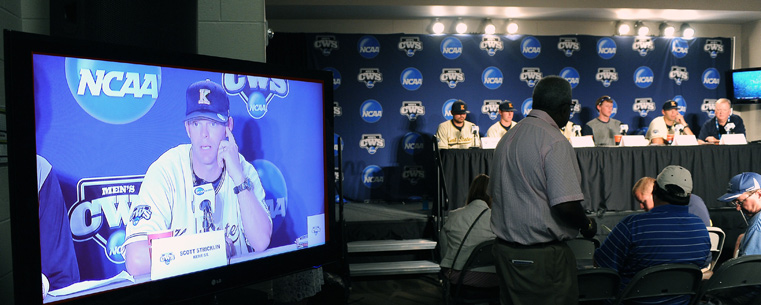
(744, 191)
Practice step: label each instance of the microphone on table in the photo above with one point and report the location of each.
(729, 128)
(624, 129)
(576, 130)
(475, 130)
(679, 128)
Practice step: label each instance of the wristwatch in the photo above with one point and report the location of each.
(246, 185)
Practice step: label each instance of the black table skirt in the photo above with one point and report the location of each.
(608, 173)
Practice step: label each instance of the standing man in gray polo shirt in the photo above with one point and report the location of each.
(536, 188)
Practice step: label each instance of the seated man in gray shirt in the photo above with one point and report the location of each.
(603, 128)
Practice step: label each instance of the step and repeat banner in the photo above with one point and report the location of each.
(392, 91)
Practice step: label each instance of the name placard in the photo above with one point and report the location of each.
(188, 253)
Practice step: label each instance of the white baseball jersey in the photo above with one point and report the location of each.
(658, 129)
(497, 131)
(450, 137)
(166, 201)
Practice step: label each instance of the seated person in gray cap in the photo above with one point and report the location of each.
(744, 192)
(603, 128)
(500, 128)
(457, 132)
(663, 126)
(668, 233)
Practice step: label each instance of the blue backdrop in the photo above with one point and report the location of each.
(392, 91)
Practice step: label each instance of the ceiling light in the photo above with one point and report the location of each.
(641, 28)
(489, 27)
(512, 27)
(622, 28)
(437, 27)
(461, 26)
(687, 31)
(667, 30)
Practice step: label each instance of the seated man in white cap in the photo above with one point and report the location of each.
(500, 128)
(457, 132)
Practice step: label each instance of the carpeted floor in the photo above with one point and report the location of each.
(422, 289)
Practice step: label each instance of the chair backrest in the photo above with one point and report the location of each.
(480, 257)
(663, 280)
(598, 284)
(734, 273)
(717, 243)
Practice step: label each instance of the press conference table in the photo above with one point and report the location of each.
(608, 173)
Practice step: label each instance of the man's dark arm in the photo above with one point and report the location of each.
(572, 213)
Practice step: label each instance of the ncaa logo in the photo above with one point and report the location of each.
(337, 110)
(411, 79)
(371, 111)
(679, 74)
(531, 76)
(257, 92)
(413, 174)
(575, 108)
(681, 104)
(413, 143)
(491, 78)
(412, 109)
(446, 110)
(370, 76)
(526, 106)
(568, 45)
(571, 75)
(275, 195)
(643, 45)
(709, 107)
(337, 142)
(643, 106)
(711, 78)
(336, 77)
(679, 47)
(372, 177)
(530, 47)
(491, 108)
(491, 44)
(606, 48)
(113, 92)
(372, 142)
(714, 47)
(325, 44)
(452, 76)
(606, 75)
(643, 77)
(410, 45)
(451, 47)
(368, 47)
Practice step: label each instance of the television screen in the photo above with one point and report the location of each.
(746, 85)
(156, 170)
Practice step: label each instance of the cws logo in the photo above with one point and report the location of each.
(257, 92)
(492, 78)
(568, 45)
(113, 92)
(531, 47)
(412, 109)
(643, 77)
(679, 47)
(606, 48)
(368, 47)
(337, 110)
(413, 143)
(452, 76)
(370, 76)
(413, 174)
(336, 77)
(679, 74)
(491, 108)
(709, 107)
(326, 44)
(643, 45)
(446, 110)
(531, 76)
(411, 79)
(571, 75)
(681, 104)
(606, 76)
(371, 111)
(714, 47)
(491, 44)
(167, 258)
(526, 106)
(576, 108)
(372, 177)
(410, 45)
(643, 105)
(451, 47)
(102, 211)
(711, 78)
(372, 142)
(275, 197)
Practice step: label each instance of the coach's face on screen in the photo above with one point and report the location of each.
(205, 136)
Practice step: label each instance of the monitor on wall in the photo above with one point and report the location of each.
(744, 85)
(143, 176)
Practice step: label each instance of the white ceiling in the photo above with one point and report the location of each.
(698, 11)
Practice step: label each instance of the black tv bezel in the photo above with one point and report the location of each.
(19, 47)
(731, 87)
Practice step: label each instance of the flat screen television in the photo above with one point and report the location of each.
(744, 85)
(161, 176)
